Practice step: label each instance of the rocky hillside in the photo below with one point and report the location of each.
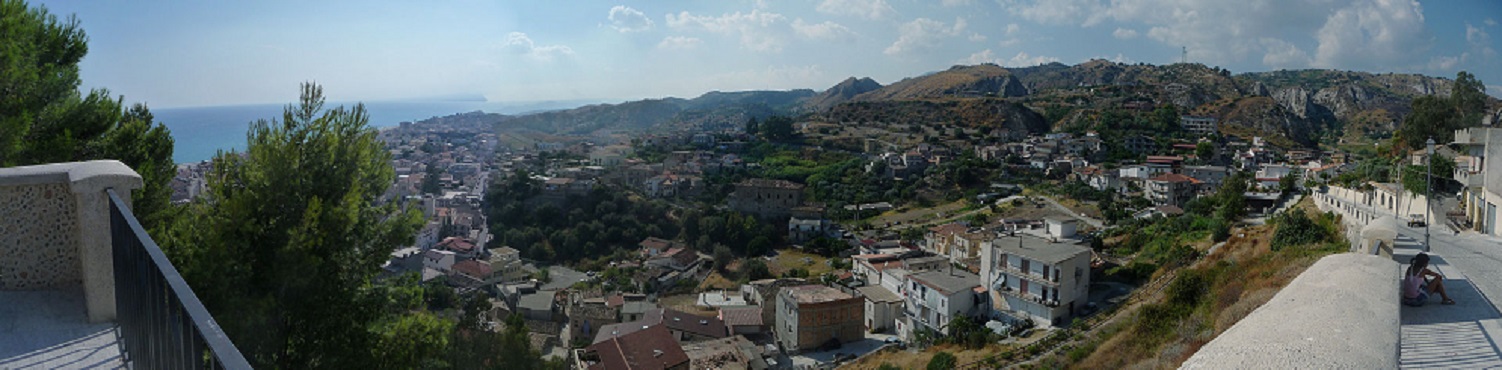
(1292, 108)
(842, 92)
(988, 114)
(986, 80)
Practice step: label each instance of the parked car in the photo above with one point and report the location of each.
(1416, 221)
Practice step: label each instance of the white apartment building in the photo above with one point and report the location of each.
(937, 296)
(1480, 175)
(1036, 279)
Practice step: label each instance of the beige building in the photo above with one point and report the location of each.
(766, 198)
(811, 316)
(1481, 177)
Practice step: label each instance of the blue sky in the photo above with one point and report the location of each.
(227, 53)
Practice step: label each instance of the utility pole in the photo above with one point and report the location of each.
(1428, 189)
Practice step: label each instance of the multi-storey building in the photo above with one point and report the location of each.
(1171, 189)
(766, 198)
(1198, 125)
(811, 316)
(937, 296)
(1047, 282)
(1480, 176)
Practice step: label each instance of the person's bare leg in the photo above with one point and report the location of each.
(1438, 286)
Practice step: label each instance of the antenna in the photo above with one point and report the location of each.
(1185, 57)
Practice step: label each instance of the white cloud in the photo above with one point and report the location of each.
(1282, 54)
(822, 31)
(977, 37)
(923, 34)
(1013, 28)
(869, 9)
(1490, 22)
(771, 77)
(1480, 41)
(980, 57)
(520, 44)
(679, 43)
(1010, 42)
(1022, 59)
(625, 19)
(1349, 34)
(956, 3)
(1376, 33)
(1442, 63)
(754, 28)
(1125, 33)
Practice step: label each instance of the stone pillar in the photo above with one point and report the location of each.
(88, 181)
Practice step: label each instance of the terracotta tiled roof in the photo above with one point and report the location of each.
(473, 268)
(741, 316)
(457, 244)
(652, 348)
(686, 322)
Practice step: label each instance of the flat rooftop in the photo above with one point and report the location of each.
(877, 293)
(815, 294)
(947, 281)
(1039, 249)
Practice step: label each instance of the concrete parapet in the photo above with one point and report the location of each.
(57, 228)
(1340, 313)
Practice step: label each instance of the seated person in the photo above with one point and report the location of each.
(1416, 283)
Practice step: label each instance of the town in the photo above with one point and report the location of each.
(731, 244)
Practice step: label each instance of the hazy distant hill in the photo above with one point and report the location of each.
(1291, 108)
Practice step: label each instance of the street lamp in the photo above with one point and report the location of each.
(1428, 188)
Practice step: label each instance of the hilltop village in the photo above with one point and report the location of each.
(747, 237)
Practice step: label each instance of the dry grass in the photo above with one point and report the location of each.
(685, 303)
(788, 259)
(919, 360)
(1249, 274)
(715, 281)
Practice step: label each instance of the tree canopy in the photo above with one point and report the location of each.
(45, 119)
(1438, 117)
(287, 242)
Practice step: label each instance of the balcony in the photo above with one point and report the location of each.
(1029, 297)
(84, 286)
(1037, 278)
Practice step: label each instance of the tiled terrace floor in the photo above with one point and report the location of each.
(50, 330)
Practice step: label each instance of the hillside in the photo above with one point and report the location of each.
(1010, 118)
(842, 92)
(1302, 108)
(959, 81)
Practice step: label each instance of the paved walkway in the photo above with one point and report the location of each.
(1469, 333)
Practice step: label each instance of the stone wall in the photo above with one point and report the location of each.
(38, 237)
(1341, 313)
(55, 228)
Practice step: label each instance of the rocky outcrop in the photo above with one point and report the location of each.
(986, 80)
(842, 92)
(1271, 119)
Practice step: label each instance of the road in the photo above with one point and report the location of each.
(1092, 222)
(1460, 335)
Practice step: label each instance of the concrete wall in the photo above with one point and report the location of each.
(56, 229)
(1340, 313)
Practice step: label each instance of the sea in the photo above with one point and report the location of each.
(200, 132)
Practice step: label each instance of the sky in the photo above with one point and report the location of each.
(185, 54)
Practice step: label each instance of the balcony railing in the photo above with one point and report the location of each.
(1029, 275)
(162, 323)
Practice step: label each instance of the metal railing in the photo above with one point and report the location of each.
(162, 323)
